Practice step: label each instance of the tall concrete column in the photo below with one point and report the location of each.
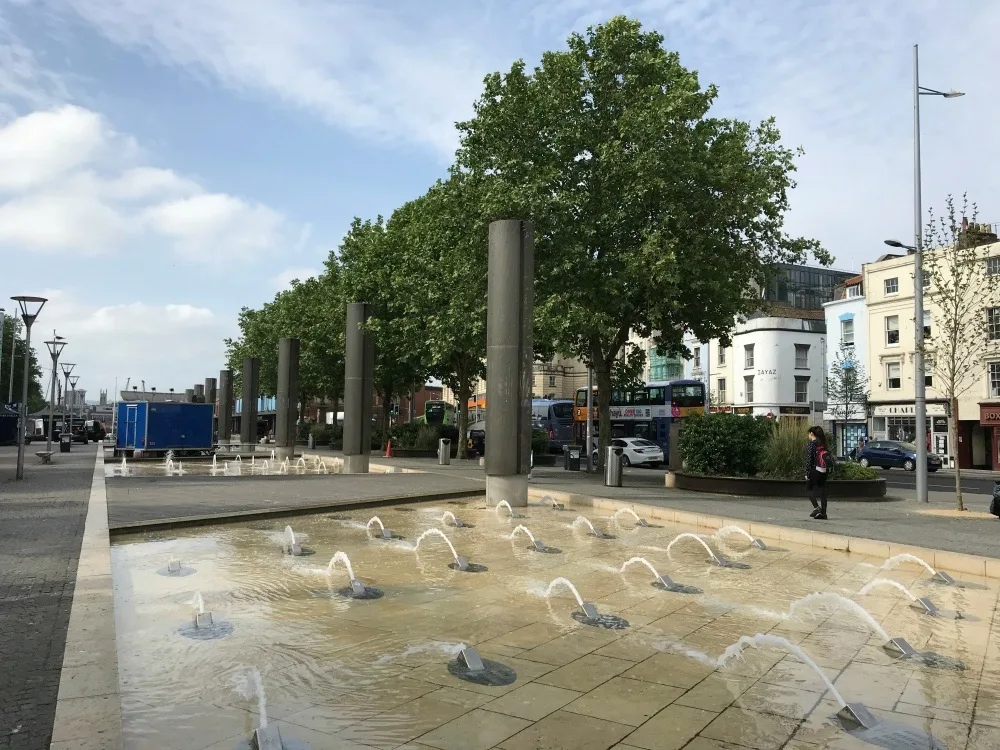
(199, 393)
(251, 392)
(224, 414)
(359, 384)
(210, 390)
(287, 406)
(509, 340)
(189, 396)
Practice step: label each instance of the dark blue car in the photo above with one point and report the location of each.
(892, 454)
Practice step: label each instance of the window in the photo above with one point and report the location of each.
(994, 379)
(721, 390)
(854, 291)
(893, 380)
(892, 330)
(993, 322)
(748, 357)
(802, 356)
(552, 381)
(927, 324)
(722, 355)
(993, 266)
(892, 286)
(562, 412)
(847, 332)
(748, 388)
(697, 358)
(801, 390)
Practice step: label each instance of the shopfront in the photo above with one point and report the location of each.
(989, 418)
(899, 422)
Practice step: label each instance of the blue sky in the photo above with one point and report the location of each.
(164, 162)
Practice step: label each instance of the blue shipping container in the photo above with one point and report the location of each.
(163, 426)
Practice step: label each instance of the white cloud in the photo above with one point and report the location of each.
(283, 280)
(166, 345)
(69, 182)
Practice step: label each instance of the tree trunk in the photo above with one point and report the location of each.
(464, 389)
(954, 443)
(386, 396)
(603, 375)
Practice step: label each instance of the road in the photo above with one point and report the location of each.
(938, 481)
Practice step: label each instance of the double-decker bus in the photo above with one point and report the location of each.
(554, 417)
(644, 413)
(437, 412)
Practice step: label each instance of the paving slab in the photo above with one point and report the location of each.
(153, 502)
(41, 528)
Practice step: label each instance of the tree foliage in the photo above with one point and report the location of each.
(847, 392)
(36, 398)
(651, 215)
(964, 299)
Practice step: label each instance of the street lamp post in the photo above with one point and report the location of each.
(67, 369)
(13, 351)
(72, 382)
(55, 347)
(30, 308)
(919, 383)
(3, 324)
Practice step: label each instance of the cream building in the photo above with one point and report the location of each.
(888, 287)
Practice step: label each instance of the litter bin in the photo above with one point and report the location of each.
(571, 457)
(444, 451)
(613, 468)
(65, 442)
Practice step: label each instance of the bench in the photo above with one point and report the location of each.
(46, 456)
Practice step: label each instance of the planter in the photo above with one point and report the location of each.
(847, 488)
(414, 453)
(547, 460)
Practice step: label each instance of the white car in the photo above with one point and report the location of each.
(636, 452)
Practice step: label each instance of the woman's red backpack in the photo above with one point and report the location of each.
(824, 459)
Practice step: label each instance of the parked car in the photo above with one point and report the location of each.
(636, 452)
(893, 454)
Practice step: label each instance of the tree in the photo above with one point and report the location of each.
(650, 214)
(36, 397)
(961, 290)
(847, 387)
(374, 271)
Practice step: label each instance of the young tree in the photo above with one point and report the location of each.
(961, 291)
(847, 387)
(650, 214)
(36, 397)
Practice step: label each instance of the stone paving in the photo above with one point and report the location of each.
(142, 500)
(41, 525)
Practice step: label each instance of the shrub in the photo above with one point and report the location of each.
(784, 453)
(724, 444)
(322, 434)
(539, 442)
(849, 470)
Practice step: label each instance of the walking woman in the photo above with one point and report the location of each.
(818, 465)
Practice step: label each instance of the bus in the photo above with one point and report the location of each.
(645, 413)
(437, 412)
(555, 418)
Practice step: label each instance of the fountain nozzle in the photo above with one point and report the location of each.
(899, 647)
(386, 534)
(858, 714)
(942, 577)
(174, 566)
(590, 611)
(266, 738)
(924, 605)
(472, 660)
(358, 588)
(758, 544)
(462, 563)
(203, 620)
(539, 545)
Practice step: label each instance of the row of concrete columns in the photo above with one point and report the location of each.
(509, 355)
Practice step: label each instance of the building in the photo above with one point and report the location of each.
(847, 338)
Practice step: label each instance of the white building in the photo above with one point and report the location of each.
(847, 328)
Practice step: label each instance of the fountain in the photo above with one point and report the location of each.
(357, 589)
(896, 646)
(202, 619)
(300, 464)
(922, 604)
(321, 467)
(456, 522)
(712, 557)
(471, 667)
(555, 505)
(587, 614)
(386, 534)
(264, 737)
(659, 581)
(598, 534)
(174, 566)
(272, 455)
(536, 544)
(292, 546)
(505, 504)
(936, 575)
(742, 532)
(461, 563)
(638, 521)
(123, 470)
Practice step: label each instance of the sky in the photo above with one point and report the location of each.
(164, 163)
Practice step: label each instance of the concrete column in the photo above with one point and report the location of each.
(509, 340)
(189, 395)
(199, 393)
(251, 392)
(210, 390)
(359, 383)
(224, 413)
(287, 406)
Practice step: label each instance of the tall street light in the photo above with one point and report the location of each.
(3, 324)
(72, 382)
(55, 349)
(67, 369)
(30, 308)
(13, 351)
(919, 384)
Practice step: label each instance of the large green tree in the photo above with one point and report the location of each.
(651, 215)
(36, 398)
(374, 271)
